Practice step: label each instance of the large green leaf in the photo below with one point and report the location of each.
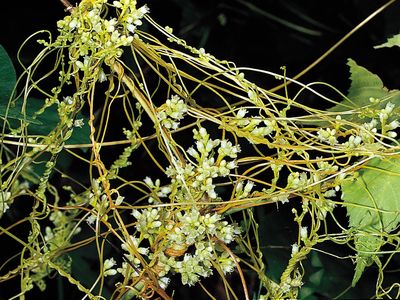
(326, 277)
(393, 41)
(14, 113)
(373, 206)
(44, 123)
(8, 80)
(364, 86)
(8, 77)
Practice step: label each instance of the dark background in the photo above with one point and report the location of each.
(251, 37)
(273, 34)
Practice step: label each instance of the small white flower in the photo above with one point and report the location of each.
(110, 272)
(192, 152)
(131, 27)
(79, 123)
(102, 76)
(212, 194)
(149, 181)
(164, 282)
(203, 132)
(79, 64)
(164, 191)
(119, 200)
(389, 108)
(144, 10)
(241, 113)
(330, 193)
(303, 232)
(73, 24)
(109, 263)
(117, 4)
(69, 100)
(136, 214)
(91, 219)
(249, 186)
(114, 36)
(49, 234)
(393, 125)
(295, 249)
(251, 95)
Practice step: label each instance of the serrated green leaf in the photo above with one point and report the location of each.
(364, 86)
(391, 42)
(326, 277)
(365, 244)
(373, 207)
(8, 77)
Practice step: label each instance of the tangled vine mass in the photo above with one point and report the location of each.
(216, 147)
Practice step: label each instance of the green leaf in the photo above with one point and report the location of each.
(393, 41)
(276, 238)
(8, 77)
(373, 206)
(8, 81)
(326, 277)
(44, 123)
(14, 113)
(364, 86)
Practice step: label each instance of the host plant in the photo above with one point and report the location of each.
(221, 145)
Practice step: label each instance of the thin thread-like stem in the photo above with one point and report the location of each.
(337, 44)
(243, 280)
(67, 4)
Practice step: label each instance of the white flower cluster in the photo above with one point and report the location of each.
(300, 181)
(368, 131)
(207, 166)
(297, 180)
(353, 142)
(92, 36)
(194, 180)
(257, 127)
(108, 267)
(7, 195)
(327, 135)
(391, 126)
(193, 227)
(4, 198)
(172, 112)
(61, 233)
(199, 264)
(325, 166)
(386, 112)
(283, 198)
(243, 191)
(148, 222)
(383, 122)
(179, 231)
(159, 191)
(325, 205)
